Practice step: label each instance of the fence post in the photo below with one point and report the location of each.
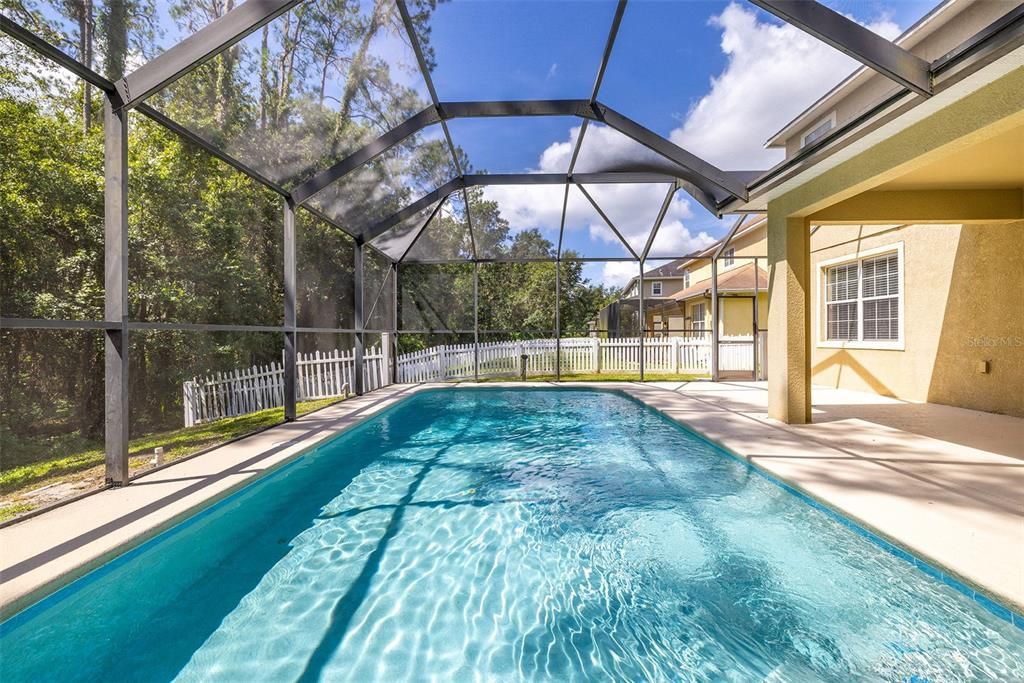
(442, 361)
(675, 355)
(187, 404)
(595, 355)
(385, 352)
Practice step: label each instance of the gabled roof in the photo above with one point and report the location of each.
(676, 267)
(739, 279)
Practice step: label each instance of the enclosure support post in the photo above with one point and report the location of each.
(643, 319)
(290, 350)
(358, 315)
(115, 284)
(476, 321)
(558, 320)
(757, 321)
(394, 325)
(714, 318)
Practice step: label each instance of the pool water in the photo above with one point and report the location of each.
(506, 535)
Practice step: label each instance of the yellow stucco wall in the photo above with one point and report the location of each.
(738, 315)
(747, 246)
(963, 304)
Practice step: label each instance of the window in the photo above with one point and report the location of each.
(686, 279)
(880, 298)
(729, 257)
(819, 131)
(841, 319)
(862, 300)
(656, 288)
(699, 312)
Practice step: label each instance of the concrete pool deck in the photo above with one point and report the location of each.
(945, 483)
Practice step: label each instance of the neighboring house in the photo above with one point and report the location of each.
(916, 286)
(677, 295)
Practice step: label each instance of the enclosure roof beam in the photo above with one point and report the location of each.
(51, 52)
(414, 40)
(485, 179)
(423, 229)
(411, 210)
(607, 220)
(395, 136)
(861, 43)
(494, 108)
(442, 112)
(199, 48)
(199, 141)
(620, 9)
(701, 170)
(703, 197)
(474, 180)
(728, 238)
(658, 221)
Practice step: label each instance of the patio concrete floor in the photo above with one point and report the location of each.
(945, 483)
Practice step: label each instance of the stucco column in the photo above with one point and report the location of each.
(789, 330)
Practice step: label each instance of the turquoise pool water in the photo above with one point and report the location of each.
(506, 535)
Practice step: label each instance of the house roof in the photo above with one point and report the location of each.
(938, 16)
(675, 267)
(739, 279)
(670, 269)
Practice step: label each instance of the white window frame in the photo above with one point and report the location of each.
(831, 118)
(686, 278)
(703, 308)
(729, 257)
(656, 288)
(898, 344)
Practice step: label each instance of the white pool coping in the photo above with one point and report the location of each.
(955, 501)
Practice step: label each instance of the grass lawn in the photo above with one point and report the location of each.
(28, 486)
(602, 377)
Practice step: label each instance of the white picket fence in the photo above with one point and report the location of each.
(318, 375)
(676, 355)
(325, 375)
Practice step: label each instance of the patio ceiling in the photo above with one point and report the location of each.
(366, 182)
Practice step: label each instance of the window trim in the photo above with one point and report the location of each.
(686, 278)
(729, 257)
(660, 287)
(831, 118)
(822, 341)
(703, 318)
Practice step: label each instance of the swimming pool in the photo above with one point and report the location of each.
(490, 534)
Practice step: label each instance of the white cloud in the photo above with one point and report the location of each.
(631, 207)
(774, 72)
(618, 273)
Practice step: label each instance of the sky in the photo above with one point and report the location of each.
(716, 77)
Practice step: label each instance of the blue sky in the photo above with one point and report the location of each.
(716, 77)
